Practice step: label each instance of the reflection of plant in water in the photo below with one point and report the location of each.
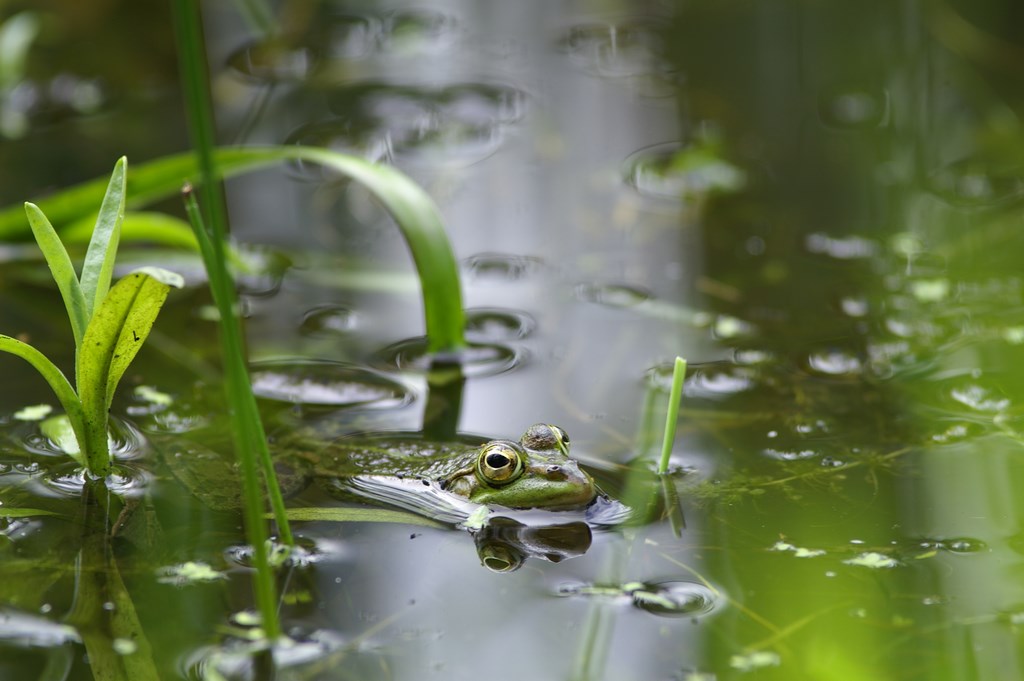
(109, 324)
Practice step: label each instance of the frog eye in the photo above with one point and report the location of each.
(499, 463)
(545, 437)
(561, 438)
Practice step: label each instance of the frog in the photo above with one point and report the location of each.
(534, 472)
(408, 471)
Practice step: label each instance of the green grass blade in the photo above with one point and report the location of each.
(672, 417)
(251, 437)
(417, 217)
(248, 432)
(61, 268)
(338, 514)
(26, 512)
(98, 268)
(54, 377)
(411, 207)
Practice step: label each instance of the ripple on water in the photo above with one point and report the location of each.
(124, 439)
(340, 37)
(834, 362)
(24, 630)
(612, 295)
(976, 183)
(961, 545)
(123, 480)
(456, 123)
(477, 359)
(305, 552)
(620, 50)
(300, 654)
(493, 325)
(501, 266)
(419, 30)
(680, 172)
(665, 599)
(713, 380)
(273, 60)
(324, 383)
(328, 320)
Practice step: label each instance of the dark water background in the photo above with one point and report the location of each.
(817, 204)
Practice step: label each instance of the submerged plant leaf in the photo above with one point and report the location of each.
(23, 512)
(63, 271)
(190, 572)
(35, 412)
(99, 258)
(755, 660)
(359, 515)
(59, 431)
(150, 394)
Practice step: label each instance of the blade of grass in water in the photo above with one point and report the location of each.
(412, 209)
(213, 247)
(249, 437)
(674, 397)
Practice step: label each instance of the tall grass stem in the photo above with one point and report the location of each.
(674, 397)
(247, 429)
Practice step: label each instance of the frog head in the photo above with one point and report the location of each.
(535, 472)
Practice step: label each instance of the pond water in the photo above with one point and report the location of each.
(818, 206)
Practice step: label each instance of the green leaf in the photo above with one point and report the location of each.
(359, 515)
(33, 412)
(118, 329)
(23, 512)
(152, 227)
(61, 268)
(99, 258)
(58, 430)
(411, 207)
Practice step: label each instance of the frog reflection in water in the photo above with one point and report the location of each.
(535, 472)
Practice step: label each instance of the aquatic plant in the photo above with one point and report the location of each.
(109, 324)
(672, 416)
